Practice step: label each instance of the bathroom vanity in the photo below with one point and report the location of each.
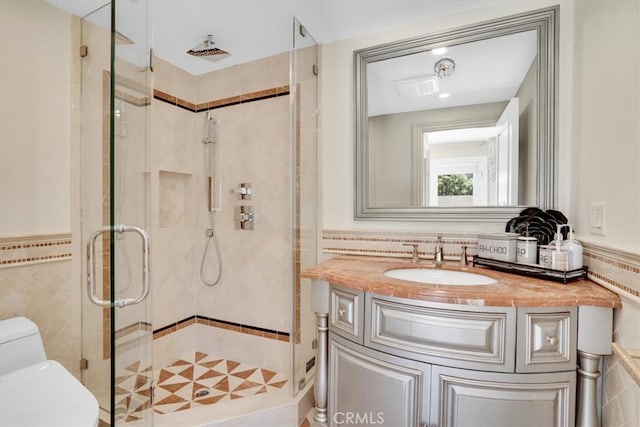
(518, 351)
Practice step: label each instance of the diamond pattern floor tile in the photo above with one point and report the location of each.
(190, 382)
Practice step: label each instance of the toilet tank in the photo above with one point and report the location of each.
(20, 344)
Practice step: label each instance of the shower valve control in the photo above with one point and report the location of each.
(245, 217)
(244, 190)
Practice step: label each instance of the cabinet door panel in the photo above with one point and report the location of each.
(471, 398)
(367, 388)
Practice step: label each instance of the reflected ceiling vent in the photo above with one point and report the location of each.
(417, 86)
(206, 50)
(444, 67)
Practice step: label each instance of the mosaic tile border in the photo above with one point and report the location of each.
(34, 249)
(222, 324)
(616, 268)
(224, 102)
(391, 244)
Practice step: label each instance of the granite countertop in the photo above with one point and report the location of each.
(367, 274)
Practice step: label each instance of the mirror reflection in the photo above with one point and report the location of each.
(459, 120)
(488, 81)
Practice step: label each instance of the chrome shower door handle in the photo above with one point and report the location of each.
(91, 267)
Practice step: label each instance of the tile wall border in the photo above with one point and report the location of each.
(24, 250)
(221, 103)
(614, 269)
(611, 268)
(221, 324)
(391, 244)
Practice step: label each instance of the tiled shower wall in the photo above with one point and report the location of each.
(250, 103)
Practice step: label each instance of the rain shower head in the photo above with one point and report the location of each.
(206, 50)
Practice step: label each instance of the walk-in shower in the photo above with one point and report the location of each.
(164, 150)
(213, 188)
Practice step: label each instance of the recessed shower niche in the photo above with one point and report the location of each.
(175, 199)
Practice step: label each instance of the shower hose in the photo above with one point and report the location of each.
(211, 238)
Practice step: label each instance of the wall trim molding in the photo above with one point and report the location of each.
(16, 251)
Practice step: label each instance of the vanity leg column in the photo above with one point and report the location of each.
(321, 385)
(587, 402)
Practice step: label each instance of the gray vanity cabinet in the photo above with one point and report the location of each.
(399, 362)
(372, 388)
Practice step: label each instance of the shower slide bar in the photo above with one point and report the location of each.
(91, 267)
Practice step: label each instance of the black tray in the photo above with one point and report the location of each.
(532, 270)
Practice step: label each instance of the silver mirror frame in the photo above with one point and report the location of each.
(545, 22)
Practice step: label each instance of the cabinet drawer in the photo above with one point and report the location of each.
(443, 334)
(546, 337)
(346, 313)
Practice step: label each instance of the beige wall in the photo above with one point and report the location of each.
(337, 135)
(605, 154)
(39, 85)
(35, 118)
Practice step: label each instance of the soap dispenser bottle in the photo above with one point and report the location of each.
(559, 256)
(573, 249)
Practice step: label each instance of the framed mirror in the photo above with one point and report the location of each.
(459, 125)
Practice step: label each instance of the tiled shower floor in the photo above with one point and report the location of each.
(197, 380)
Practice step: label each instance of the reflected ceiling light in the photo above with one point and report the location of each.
(444, 67)
(444, 95)
(417, 86)
(439, 51)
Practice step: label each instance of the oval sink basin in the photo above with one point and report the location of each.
(440, 277)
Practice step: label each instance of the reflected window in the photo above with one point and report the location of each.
(455, 185)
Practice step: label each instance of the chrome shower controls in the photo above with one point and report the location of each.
(244, 190)
(245, 219)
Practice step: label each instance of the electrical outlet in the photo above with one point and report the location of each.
(597, 219)
(310, 364)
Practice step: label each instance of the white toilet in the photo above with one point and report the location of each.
(35, 391)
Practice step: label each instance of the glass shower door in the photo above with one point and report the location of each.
(117, 333)
(304, 107)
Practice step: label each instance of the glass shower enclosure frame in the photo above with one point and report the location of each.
(117, 333)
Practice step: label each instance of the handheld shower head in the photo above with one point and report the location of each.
(209, 129)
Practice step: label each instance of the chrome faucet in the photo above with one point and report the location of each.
(414, 255)
(463, 256)
(438, 253)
